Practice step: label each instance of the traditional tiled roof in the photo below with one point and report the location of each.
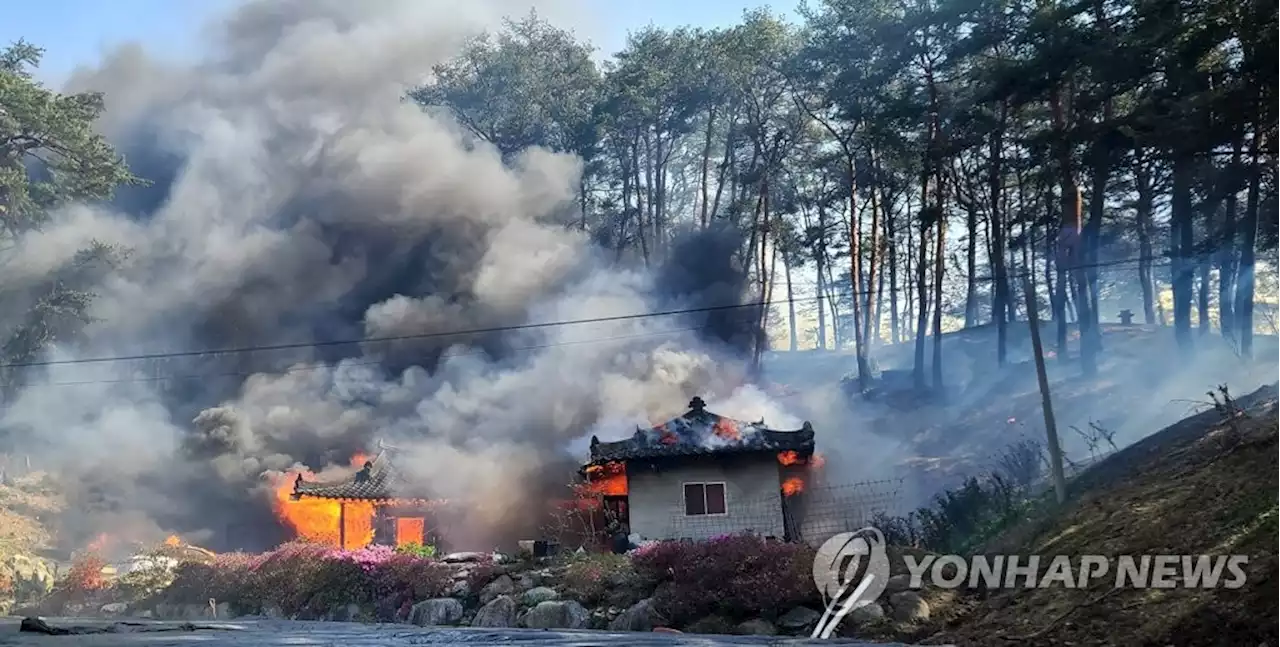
(699, 431)
(378, 480)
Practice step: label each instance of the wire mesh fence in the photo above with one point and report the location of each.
(812, 515)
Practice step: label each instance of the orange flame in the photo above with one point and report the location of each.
(172, 540)
(359, 460)
(668, 438)
(727, 429)
(609, 479)
(789, 458)
(410, 530)
(793, 485)
(317, 520)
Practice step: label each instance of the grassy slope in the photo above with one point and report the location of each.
(24, 503)
(1202, 486)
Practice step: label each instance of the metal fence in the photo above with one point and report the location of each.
(812, 515)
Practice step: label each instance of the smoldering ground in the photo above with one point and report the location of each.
(297, 198)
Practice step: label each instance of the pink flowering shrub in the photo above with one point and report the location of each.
(400, 580)
(737, 577)
(308, 580)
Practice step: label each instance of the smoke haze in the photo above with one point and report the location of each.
(296, 197)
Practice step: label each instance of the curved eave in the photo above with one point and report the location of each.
(380, 501)
(692, 452)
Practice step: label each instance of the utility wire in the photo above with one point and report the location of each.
(508, 328)
(297, 368)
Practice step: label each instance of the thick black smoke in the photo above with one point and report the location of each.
(296, 199)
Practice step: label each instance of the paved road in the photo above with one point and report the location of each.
(271, 633)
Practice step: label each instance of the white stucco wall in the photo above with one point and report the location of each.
(753, 499)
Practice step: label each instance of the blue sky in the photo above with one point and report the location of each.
(76, 32)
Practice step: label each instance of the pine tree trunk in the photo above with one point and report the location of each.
(891, 233)
(1000, 290)
(1181, 239)
(871, 326)
(1245, 277)
(1226, 255)
(922, 295)
(791, 305)
(706, 168)
(1146, 229)
(855, 275)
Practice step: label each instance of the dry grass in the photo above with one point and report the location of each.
(1185, 492)
(25, 503)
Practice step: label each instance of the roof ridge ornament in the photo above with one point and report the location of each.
(697, 405)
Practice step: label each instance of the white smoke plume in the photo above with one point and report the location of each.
(297, 197)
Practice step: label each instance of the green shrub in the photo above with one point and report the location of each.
(601, 578)
(961, 518)
(425, 551)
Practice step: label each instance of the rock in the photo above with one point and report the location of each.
(599, 619)
(526, 581)
(897, 583)
(502, 585)
(114, 608)
(273, 612)
(458, 558)
(666, 630)
(437, 611)
(346, 613)
(756, 627)
(712, 624)
(908, 606)
(187, 611)
(539, 594)
(39, 626)
(869, 612)
(557, 614)
(798, 618)
(637, 617)
(499, 612)
(145, 613)
(460, 589)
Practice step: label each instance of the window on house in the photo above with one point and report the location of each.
(703, 499)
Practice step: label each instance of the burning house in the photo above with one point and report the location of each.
(702, 475)
(376, 505)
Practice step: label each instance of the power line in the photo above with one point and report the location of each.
(297, 368)
(493, 329)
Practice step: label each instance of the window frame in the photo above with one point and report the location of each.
(684, 499)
